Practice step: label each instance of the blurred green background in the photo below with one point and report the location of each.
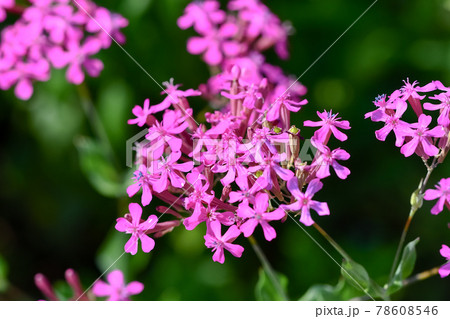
(55, 216)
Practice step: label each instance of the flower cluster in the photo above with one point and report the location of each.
(418, 137)
(243, 169)
(115, 289)
(54, 33)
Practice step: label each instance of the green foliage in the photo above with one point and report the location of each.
(265, 289)
(97, 167)
(405, 266)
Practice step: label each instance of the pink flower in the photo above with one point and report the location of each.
(329, 124)
(143, 180)
(305, 202)
(442, 192)
(444, 271)
(169, 169)
(208, 215)
(394, 122)
(421, 137)
(444, 106)
(215, 240)
(203, 16)
(259, 215)
(115, 289)
(329, 158)
(409, 92)
(215, 44)
(78, 57)
(137, 229)
(283, 101)
(5, 4)
(166, 132)
(108, 25)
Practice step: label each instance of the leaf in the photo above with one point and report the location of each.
(265, 290)
(356, 275)
(321, 293)
(405, 266)
(97, 168)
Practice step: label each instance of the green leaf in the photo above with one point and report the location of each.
(3, 274)
(265, 290)
(321, 293)
(97, 167)
(405, 266)
(356, 275)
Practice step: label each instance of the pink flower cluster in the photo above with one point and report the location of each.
(419, 137)
(241, 170)
(54, 33)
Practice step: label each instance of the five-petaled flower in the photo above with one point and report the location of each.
(259, 215)
(218, 242)
(329, 124)
(116, 289)
(305, 202)
(137, 229)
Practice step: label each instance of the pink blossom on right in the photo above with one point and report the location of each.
(421, 137)
(444, 271)
(115, 289)
(442, 192)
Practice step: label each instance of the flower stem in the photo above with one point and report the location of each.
(268, 268)
(421, 276)
(333, 243)
(94, 119)
(416, 203)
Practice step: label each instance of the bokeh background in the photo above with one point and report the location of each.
(62, 187)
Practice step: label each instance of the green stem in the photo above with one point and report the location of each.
(268, 268)
(94, 120)
(416, 203)
(333, 243)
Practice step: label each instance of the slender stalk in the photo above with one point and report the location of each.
(333, 243)
(421, 276)
(268, 268)
(94, 119)
(416, 203)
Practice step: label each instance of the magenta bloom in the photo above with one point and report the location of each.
(442, 192)
(329, 124)
(137, 229)
(259, 215)
(283, 101)
(203, 16)
(142, 113)
(393, 122)
(5, 4)
(444, 271)
(215, 44)
(169, 169)
(421, 137)
(305, 202)
(444, 106)
(215, 240)
(143, 180)
(115, 289)
(329, 158)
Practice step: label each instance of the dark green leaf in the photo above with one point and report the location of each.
(356, 275)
